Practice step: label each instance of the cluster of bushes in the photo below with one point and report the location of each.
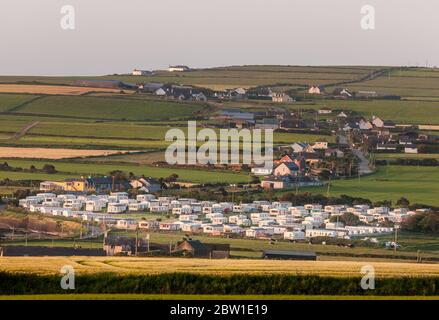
(183, 283)
(426, 222)
(47, 168)
(410, 162)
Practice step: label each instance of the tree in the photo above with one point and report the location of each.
(348, 218)
(403, 202)
(49, 169)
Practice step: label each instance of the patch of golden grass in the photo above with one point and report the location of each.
(46, 89)
(135, 265)
(51, 153)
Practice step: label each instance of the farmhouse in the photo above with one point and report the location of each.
(178, 68)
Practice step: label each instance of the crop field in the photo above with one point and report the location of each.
(230, 77)
(50, 153)
(127, 265)
(401, 112)
(418, 184)
(109, 108)
(50, 90)
(8, 101)
(67, 169)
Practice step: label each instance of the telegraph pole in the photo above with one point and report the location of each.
(396, 237)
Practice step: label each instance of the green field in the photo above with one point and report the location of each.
(8, 101)
(401, 112)
(109, 108)
(230, 77)
(420, 156)
(418, 184)
(67, 169)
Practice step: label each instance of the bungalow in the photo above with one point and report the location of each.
(316, 90)
(286, 169)
(334, 152)
(200, 250)
(275, 182)
(146, 184)
(320, 145)
(377, 122)
(281, 98)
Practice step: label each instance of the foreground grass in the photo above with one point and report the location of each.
(204, 297)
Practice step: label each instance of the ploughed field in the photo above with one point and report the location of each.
(145, 266)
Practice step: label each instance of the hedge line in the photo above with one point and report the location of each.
(184, 283)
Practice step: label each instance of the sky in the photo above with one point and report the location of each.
(118, 36)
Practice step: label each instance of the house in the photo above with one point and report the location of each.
(320, 145)
(281, 98)
(325, 110)
(377, 122)
(261, 171)
(115, 246)
(289, 255)
(366, 94)
(286, 169)
(342, 92)
(198, 249)
(299, 147)
(146, 184)
(267, 123)
(137, 72)
(178, 68)
(275, 182)
(316, 90)
(365, 125)
(160, 92)
(342, 115)
(410, 148)
(151, 87)
(334, 152)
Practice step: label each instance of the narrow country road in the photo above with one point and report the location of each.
(364, 162)
(24, 130)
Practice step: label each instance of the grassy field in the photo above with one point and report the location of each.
(127, 265)
(109, 108)
(401, 112)
(420, 156)
(8, 101)
(230, 77)
(67, 169)
(418, 184)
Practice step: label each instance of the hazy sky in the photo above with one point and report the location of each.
(117, 36)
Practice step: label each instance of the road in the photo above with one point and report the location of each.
(364, 162)
(24, 130)
(364, 167)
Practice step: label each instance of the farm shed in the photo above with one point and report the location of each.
(289, 255)
(202, 250)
